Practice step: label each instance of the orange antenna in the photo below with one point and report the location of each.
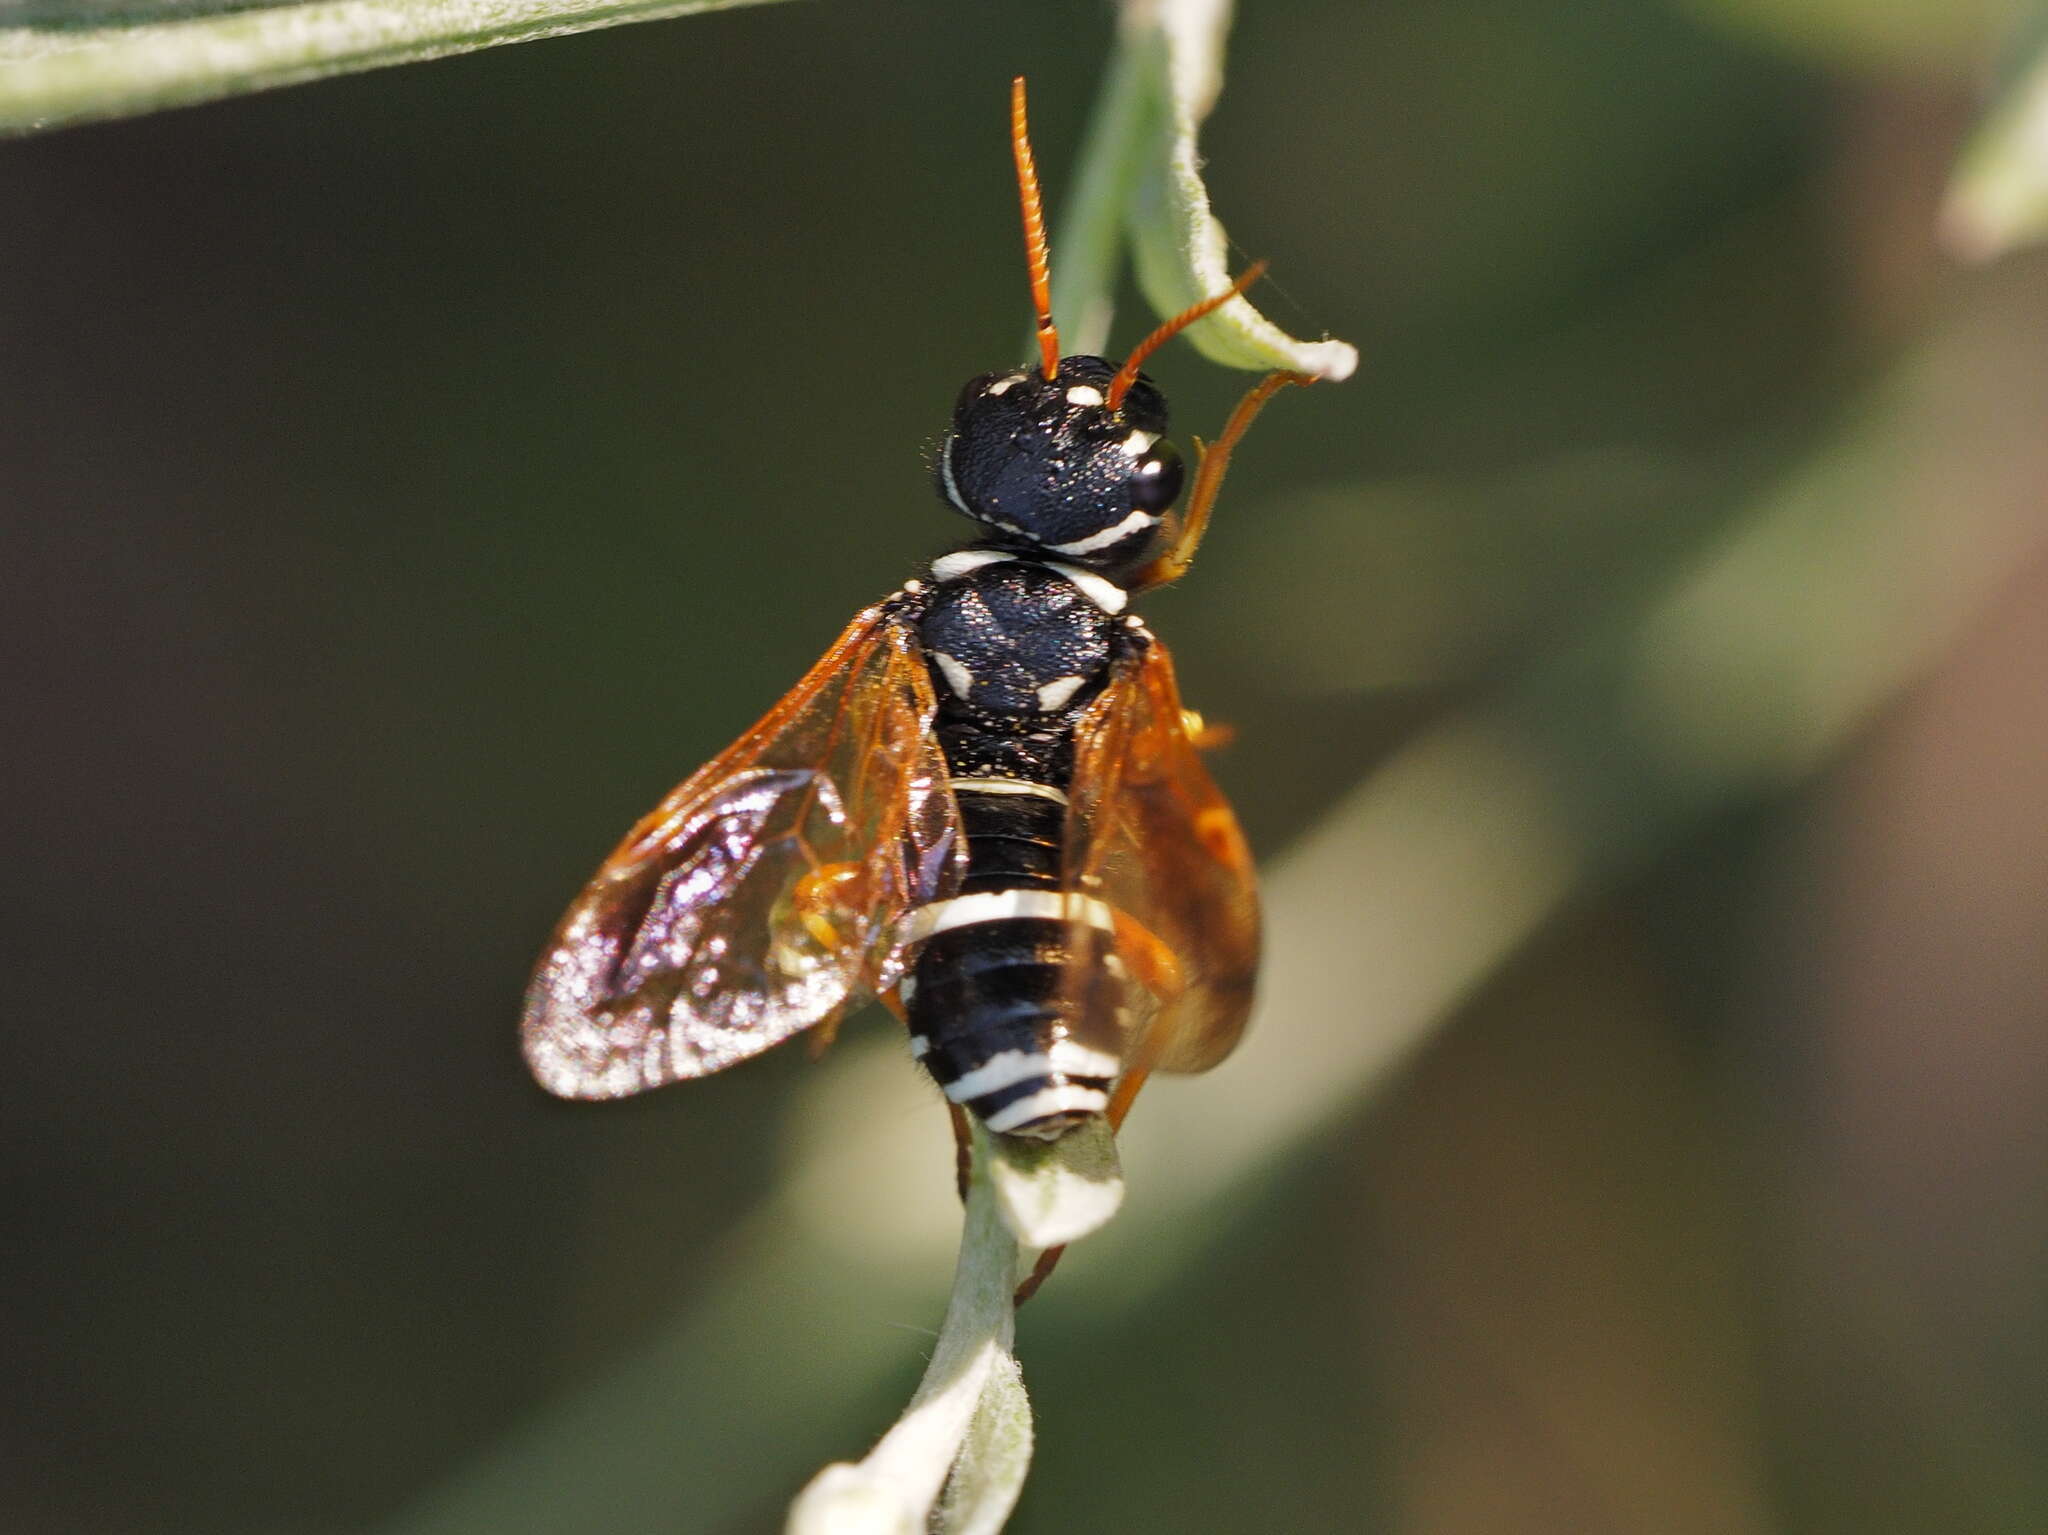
(1127, 375)
(1035, 252)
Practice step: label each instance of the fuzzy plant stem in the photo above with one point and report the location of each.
(896, 1487)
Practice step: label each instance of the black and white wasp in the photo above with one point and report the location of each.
(983, 805)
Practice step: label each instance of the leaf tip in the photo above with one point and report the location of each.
(1051, 1194)
(845, 1499)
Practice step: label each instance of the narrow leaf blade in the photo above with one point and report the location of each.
(1178, 246)
(53, 73)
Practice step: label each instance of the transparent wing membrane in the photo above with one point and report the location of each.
(1149, 833)
(763, 895)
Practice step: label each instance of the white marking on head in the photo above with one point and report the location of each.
(958, 677)
(1100, 590)
(1084, 394)
(951, 567)
(920, 1047)
(1108, 536)
(1000, 906)
(1042, 1105)
(912, 588)
(906, 988)
(1005, 1069)
(1004, 385)
(946, 478)
(1054, 695)
(1135, 445)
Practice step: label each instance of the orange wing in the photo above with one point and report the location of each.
(1150, 834)
(763, 895)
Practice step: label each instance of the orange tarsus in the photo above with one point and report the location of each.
(1207, 735)
(1212, 458)
(1036, 254)
(1127, 375)
(1041, 1271)
(1126, 1094)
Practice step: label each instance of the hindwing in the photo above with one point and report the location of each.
(1150, 835)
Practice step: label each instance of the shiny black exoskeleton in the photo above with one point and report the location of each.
(1021, 629)
(1045, 465)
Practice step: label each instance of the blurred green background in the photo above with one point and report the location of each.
(407, 478)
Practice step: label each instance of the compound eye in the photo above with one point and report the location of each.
(1156, 479)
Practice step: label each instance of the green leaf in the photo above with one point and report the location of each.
(1140, 177)
(1053, 1193)
(58, 71)
(989, 1476)
(1181, 252)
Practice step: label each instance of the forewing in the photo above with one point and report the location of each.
(1150, 834)
(762, 896)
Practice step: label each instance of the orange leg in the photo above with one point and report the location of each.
(1211, 460)
(1040, 1272)
(963, 1148)
(1204, 735)
(820, 893)
(1151, 959)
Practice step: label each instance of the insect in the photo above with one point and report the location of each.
(984, 805)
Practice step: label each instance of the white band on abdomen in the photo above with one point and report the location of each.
(1004, 1069)
(999, 905)
(1053, 1100)
(1005, 786)
(1072, 1058)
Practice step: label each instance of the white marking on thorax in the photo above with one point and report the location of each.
(958, 677)
(946, 477)
(920, 1047)
(1084, 394)
(1055, 694)
(1004, 385)
(1005, 786)
(951, 567)
(1005, 1069)
(1100, 590)
(1051, 1100)
(1108, 536)
(1001, 905)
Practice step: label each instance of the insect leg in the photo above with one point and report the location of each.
(1212, 459)
(1206, 735)
(963, 1148)
(820, 893)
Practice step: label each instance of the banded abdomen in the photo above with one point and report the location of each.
(991, 1013)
